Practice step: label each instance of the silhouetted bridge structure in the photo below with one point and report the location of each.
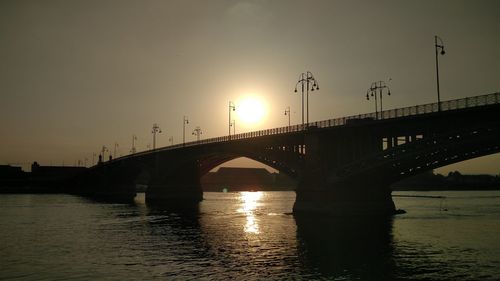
(343, 165)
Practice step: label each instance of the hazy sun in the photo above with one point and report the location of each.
(250, 110)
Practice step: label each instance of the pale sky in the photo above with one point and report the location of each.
(77, 75)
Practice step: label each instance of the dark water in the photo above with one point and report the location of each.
(248, 236)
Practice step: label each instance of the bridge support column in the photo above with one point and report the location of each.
(116, 193)
(110, 184)
(349, 200)
(108, 193)
(320, 192)
(179, 188)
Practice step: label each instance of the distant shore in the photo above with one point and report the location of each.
(48, 179)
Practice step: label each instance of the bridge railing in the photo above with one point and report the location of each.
(468, 102)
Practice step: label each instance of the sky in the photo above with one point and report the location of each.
(77, 75)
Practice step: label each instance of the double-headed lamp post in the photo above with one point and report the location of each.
(197, 132)
(287, 112)
(438, 46)
(232, 107)
(156, 129)
(184, 122)
(372, 92)
(307, 82)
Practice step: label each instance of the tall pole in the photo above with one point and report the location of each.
(438, 46)
(104, 149)
(234, 127)
(133, 150)
(302, 82)
(380, 94)
(156, 129)
(372, 92)
(197, 132)
(287, 112)
(307, 97)
(308, 82)
(232, 107)
(184, 122)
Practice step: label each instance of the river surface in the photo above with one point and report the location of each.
(248, 236)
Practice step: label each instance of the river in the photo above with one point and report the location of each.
(248, 236)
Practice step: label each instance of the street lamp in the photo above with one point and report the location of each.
(438, 47)
(156, 129)
(233, 124)
(133, 150)
(372, 92)
(184, 122)
(233, 108)
(104, 149)
(307, 81)
(287, 112)
(197, 132)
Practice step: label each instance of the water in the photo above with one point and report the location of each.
(248, 236)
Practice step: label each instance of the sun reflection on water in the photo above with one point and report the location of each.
(250, 201)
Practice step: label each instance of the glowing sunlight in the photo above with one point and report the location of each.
(251, 110)
(250, 202)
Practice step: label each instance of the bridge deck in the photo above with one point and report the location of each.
(451, 105)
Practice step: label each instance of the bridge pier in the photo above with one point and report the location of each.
(320, 192)
(110, 184)
(173, 194)
(179, 187)
(345, 201)
(114, 193)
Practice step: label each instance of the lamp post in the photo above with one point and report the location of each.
(233, 124)
(133, 150)
(438, 47)
(287, 112)
(104, 149)
(156, 129)
(197, 132)
(184, 122)
(372, 91)
(307, 82)
(233, 108)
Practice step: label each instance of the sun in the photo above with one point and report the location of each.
(251, 110)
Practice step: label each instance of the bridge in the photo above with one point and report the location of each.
(343, 166)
